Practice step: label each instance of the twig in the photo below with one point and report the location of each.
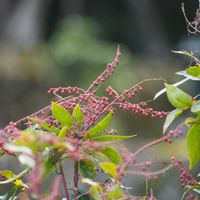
(75, 180)
(149, 145)
(62, 176)
(189, 23)
(149, 174)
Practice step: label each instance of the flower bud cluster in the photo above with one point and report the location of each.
(137, 109)
(185, 176)
(65, 90)
(173, 134)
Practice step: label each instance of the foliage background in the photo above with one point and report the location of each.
(61, 42)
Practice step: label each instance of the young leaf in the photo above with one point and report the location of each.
(62, 115)
(96, 192)
(115, 193)
(171, 117)
(44, 125)
(196, 108)
(188, 76)
(77, 114)
(193, 144)
(189, 121)
(186, 53)
(194, 71)
(12, 178)
(100, 127)
(177, 97)
(63, 132)
(104, 138)
(50, 128)
(112, 154)
(109, 168)
(87, 169)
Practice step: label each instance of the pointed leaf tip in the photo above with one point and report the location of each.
(62, 115)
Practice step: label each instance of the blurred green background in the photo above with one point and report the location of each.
(49, 43)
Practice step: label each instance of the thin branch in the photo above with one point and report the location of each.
(149, 174)
(149, 145)
(62, 176)
(76, 180)
(131, 88)
(188, 22)
(102, 75)
(85, 193)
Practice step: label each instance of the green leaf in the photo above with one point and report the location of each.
(12, 195)
(45, 125)
(193, 144)
(109, 168)
(115, 193)
(63, 132)
(188, 76)
(196, 107)
(12, 178)
(112, 154)
(87, 169)
(50, 128)
(1, 153)
(164, 89)
(96, 192)
(100, 127)
(189, 121)
(62, 115)
(194, 71)
(49, 167)
(171, 117)
(178, 98)
(104, 138)
(186, 53)
(189, 188)
(77, 114)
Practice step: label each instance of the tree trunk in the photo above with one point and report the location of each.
(149, 26)
(25, 25)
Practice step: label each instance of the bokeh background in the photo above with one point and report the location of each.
(49, 43)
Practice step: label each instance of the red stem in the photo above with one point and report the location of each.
(75, 180)
(62, 176)
(149, 145)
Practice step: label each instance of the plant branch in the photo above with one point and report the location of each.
(149, 145)
(149, 174)
(75, 180)
(62, 176)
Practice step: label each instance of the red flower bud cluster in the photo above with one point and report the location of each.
(185, 176)
(137, 109)
(65, 90)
